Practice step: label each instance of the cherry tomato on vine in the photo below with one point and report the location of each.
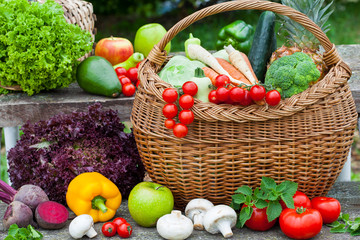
(259, 220)
(273, 97)
(108, 229)
(170, 123)
(180, 130)
(222, 94)
(212, 97)
(300, 200)
(170, 95)
(237, 94)
(124, 80)
(170, 110)
(257, 92)
(222, 80)
(128, 89)
(186, 101)
(118, 221)
(124, 230)
(300, 223)
(120, 71)
(186, 117)
(132, 74)
(328, 207)
(247, 99)
(190, 88)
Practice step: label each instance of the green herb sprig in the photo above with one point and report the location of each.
(28, 233)
(344, 224)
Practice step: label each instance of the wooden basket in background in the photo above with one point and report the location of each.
(306, 138)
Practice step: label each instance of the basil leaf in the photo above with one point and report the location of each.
(245, 214)
(288, 200)
(238, 198)
(274, 210)
(268, 184)
(261, 204)
(246, 190)
(339, 229)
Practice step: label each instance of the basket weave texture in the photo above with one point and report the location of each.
(306, 138)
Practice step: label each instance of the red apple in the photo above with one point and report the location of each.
(114, 49)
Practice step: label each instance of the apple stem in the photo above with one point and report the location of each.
(157, 188)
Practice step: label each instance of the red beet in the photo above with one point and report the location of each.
(19, 213)
(51, 215)
(31, 195)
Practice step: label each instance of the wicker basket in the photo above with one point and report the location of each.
(75, 12)
(306, 138)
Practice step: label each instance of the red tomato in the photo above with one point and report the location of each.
(180, 130)
(124, 230)
(247, 99)
(137, 83)
(170, 95)
(186, 117)
(108, 229)
(257, 92)
(273, 97)
(120, 71)
(329, 208)
(212, 97)
(128, 89)
(222, 94)
(300, 223)
(300, 200)
(170, 110)
(190, 88)
(237, 94)
(124, 80)
(132, 74)
(138, 64)
(222, 80)
(118, 221)
(186, 101)
(258, 220)
(170, 123)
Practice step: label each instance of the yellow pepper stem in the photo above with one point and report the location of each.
(98, 203)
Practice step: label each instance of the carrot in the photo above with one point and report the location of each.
(210, 73)
(249, 65)
(233, 71)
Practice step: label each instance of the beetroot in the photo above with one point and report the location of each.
(51, 215)
(19, 213)
(31, 195)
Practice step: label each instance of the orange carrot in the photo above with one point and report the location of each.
(210, 73)
(249, 65)
(233, 72)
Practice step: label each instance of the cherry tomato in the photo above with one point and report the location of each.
(300, 223)
(273, 97)
(124, 230)
(222, 80)
(237, 94)
(138, 64)
(170, 110)
(128, 89)
(124, 80)
(247, 99)
(170, 123)
(186, 117)
(328, 207)
(212, 97)
(180, 130)
(186, 101)
(118, 221)
(108, 229)
(170, 95)
(132, 74)
(120, 71)
(300, 200)
(257, 92)
(259, 220)
(137, 83)
(222, 94)
(190, 88)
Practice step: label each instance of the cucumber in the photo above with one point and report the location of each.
(263, 45)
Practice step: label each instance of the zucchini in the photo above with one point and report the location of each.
(263, 45)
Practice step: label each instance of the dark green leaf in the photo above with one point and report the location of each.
(246, 190)
(267, 183)
(10, 238)
(261, 204)
(291, 187)
(238, 198)
(259, 194)
(282, 186)
(245, 214)
(355, 233)
(273, 211)
(339, 229)
(288, 200)
(272, 196)
(333, 224)
(354, 226)
(344, 217)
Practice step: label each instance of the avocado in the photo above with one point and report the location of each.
(97, 76)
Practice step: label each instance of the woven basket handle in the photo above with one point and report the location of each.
(331, 57)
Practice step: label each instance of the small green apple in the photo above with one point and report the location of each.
(148, 201)
(149, 35)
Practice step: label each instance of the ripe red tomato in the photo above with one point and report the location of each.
(258, 220)
(170, 110)
(237, 94)
(190, 88)
(329, 208)
(170, 95)
(273, 97)
(247, 99)
(120, 71)
(108, 229)
(222, 80)
(300, 200)
(180, 130)
(132, 74)
(222, 94)
(212, 97)
(170, 123)
(300, 223)
(186, 117)
(124, 230)
(128, 89)
(186, 101)
(124, 80)
(257, 92)
(118, 221)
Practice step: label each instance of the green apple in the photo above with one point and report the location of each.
(149, 35)
(148, 201)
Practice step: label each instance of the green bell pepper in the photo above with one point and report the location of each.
(238, 34)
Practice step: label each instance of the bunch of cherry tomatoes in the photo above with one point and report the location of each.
(118, 225)
(128, 79)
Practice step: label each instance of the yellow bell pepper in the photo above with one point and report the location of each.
(92, 193)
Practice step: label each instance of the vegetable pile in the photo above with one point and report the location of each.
(51, 153)
(38, 48)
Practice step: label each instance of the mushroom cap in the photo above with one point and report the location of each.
(174, 226)
(197, 205)
(219, 213)
(80, 225)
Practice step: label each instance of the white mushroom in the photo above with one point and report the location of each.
(174, 226)
(220, 218)
(196, 209)
(82, 225)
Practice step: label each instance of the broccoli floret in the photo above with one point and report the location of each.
(292, 74)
